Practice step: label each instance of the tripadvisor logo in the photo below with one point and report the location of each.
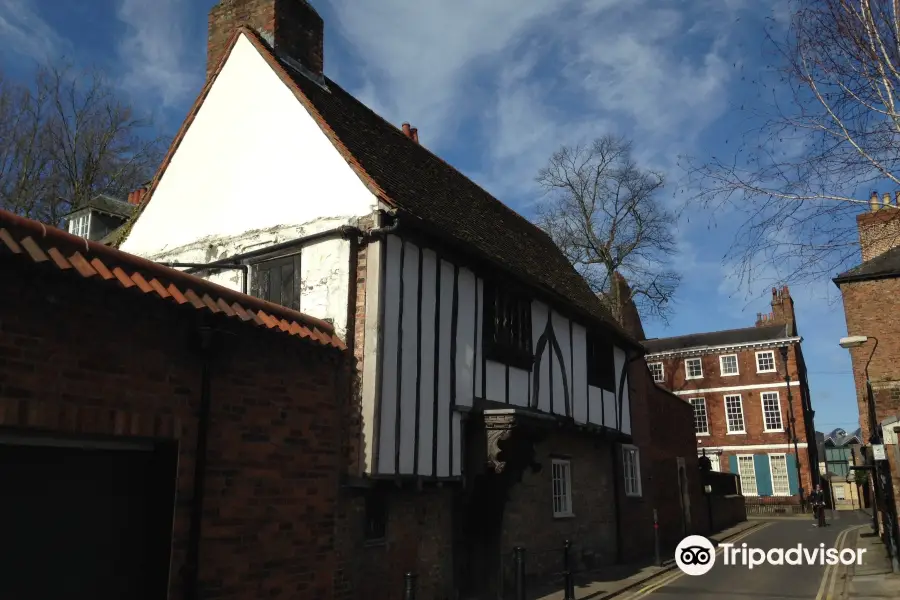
(696, 555)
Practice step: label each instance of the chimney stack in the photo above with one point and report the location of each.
(410, 132)
(136, 196)
(879, 229)
(292, 27)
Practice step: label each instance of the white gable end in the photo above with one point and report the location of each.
(252, 159)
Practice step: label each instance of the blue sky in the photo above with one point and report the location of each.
(494, 88)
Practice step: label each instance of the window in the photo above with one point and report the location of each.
(840, 492)
(631, 463)
(714, 461)
(376, 517)
(778, 468)
(728, 364)
(771, 412)
(734, 414)
(701, 420)
(693, 368)
(507, 326)
(747, 472)
(656, 369)
(562, 488)
(765, 362)
(601, 367)
(278, 281)
(80, 225)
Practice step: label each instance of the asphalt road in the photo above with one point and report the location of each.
(765, 581)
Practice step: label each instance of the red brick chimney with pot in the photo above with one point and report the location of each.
(293, 27)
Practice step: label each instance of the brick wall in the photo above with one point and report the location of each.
(528, 517)
(81, 360)
(878, 232)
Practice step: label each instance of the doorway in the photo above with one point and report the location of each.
(685, 496)
(85, 521)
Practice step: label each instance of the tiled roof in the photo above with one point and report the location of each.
(717, 338)
(882, 266)
(437, 197)
(109, 205)
(38, 244)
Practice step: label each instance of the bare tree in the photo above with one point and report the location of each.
(832, 135)
(67, 136)
(602, 210)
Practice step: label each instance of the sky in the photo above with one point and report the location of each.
(494, 88)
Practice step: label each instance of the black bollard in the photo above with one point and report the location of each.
(656, 538)
(409, 586)
(520, 572)
(567, 572)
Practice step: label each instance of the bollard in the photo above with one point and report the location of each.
(409, 586)
(520, 572)
(656, 537)
(567, 572)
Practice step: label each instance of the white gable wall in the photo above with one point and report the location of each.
(254, 169)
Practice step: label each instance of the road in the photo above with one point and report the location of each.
(765, 581)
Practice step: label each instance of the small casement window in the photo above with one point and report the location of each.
(80, 225)
(507, 326)
(278, 281)
(631, 466)
(657, 371)
(601, 367)
(765, 362)
(376, 517)
(693, 368)
(561, 480)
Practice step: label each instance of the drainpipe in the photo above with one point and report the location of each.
(192, 564)
(616, 458)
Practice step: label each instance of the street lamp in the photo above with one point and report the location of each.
(855, 341)
(792, 433)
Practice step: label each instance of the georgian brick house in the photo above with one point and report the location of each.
(748, 418)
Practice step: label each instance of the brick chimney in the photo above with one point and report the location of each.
(292, 27)
(136, 196)
(411, 132)
(783, 310)
(879, 229)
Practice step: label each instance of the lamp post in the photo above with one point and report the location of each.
(874, 435)
(792, 433)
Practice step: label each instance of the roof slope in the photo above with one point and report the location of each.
(38, 244)
(882, 266)
(717, 338)
(407, 176)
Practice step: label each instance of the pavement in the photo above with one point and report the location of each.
(845, 530)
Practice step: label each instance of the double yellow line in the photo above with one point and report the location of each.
(830, 577)
(678, 574)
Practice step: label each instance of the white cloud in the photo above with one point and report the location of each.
(153, 51)
(24, 32)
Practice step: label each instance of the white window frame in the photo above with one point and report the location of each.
(787, 476)
(561, 487)
(632, 484)
(722, 365)
(705, 414)
(762, 405)
(728, 429)
(81, 225)
(662, 371)
(774, 368)
(744, 491)
(714, 461)
(687, 370)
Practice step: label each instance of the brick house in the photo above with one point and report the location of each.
(747, 417)
(871, 295)
(151, 422)
(493, 394)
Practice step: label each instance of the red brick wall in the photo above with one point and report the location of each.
(82, 359)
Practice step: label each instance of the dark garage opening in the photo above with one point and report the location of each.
(81, 522)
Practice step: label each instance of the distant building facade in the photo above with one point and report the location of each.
(752, 409)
